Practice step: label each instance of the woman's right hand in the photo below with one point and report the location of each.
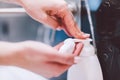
(54, 13)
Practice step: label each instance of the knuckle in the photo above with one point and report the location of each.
(62, 10)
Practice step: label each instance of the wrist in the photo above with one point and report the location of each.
(9, 54)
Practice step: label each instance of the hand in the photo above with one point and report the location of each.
(40, 58)
(54, 13)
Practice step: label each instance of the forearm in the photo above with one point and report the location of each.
(7, 53)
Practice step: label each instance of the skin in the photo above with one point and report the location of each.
(38, 57)
(54, 13)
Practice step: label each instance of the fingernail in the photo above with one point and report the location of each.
(86, 35)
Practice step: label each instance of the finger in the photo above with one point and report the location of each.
(65, 30)
(70, 24)
(64, 58)
(58, 68)
(85, 34)
(78, 49)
